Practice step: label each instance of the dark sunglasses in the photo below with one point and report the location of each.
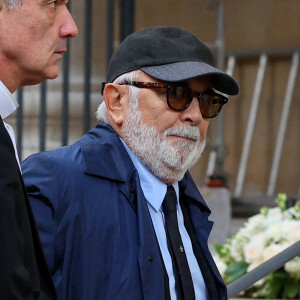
(179, 97)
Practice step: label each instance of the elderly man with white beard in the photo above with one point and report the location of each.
(118, 212)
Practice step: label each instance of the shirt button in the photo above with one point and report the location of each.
(150, 258)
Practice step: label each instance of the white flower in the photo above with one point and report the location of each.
(262, 237)
(255, 223)
(273, 250)
(293, 267)
(274, 216)
(274, 232)
(290, 230)
(236, 248)
(292, 213)
(244, 232)
(253, 250)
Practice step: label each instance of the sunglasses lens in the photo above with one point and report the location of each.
(210, 105)
(179, 97)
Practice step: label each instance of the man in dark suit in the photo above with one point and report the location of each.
(119, 214)
(33, 37)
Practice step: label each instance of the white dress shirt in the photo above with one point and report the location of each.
(7, 106)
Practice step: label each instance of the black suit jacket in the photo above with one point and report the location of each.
(23, 270)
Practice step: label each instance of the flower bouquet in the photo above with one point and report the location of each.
(263, 236)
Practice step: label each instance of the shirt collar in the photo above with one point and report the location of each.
(153, 188)
(7, 102)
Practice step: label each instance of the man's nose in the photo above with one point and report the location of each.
(69, 28)
(192, 115)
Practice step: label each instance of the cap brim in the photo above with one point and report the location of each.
(181, 71)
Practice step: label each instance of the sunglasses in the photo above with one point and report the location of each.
(179, 97)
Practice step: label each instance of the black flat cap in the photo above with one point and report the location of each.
(169, 54)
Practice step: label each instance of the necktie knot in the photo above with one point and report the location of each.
(170, 201)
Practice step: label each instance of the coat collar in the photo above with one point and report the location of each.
(188, 187)
(104, 155)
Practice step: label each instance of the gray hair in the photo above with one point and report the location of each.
(133, 94)
(12, 4)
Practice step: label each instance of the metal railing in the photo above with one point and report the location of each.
(283, 124)
(250, 125)
(264, 56)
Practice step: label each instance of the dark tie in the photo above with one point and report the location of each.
(184, 283)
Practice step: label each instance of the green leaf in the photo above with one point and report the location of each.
(298, 292)
(273, 288)
(279, 274)
(290, 288)
(281, 201)
(218, 248)
(235, 271)
(264, 211)
(274, 284)
(297, 206)
(221, 250)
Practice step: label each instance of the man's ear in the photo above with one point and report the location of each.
(116, 100)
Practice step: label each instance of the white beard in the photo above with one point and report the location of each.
(166, 158)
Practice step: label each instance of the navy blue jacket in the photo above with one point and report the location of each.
(94, 222)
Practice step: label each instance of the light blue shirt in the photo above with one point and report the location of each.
(154, 191)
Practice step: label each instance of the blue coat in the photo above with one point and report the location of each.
(94, 222)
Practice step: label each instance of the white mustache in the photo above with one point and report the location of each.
(189, 132)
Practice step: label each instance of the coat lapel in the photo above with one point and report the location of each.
(105, 156)
(199, 217)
